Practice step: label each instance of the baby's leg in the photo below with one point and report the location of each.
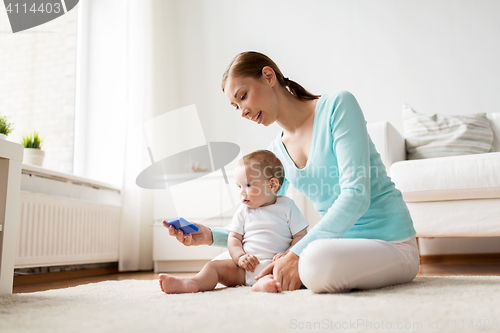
(267, 284)
(223, 271)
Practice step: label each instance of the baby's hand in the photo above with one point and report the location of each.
(248, 262)
(278, 255)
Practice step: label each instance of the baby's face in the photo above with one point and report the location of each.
(255, 189)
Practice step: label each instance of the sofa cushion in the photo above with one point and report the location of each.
(441, 135)
(448, 178)
(389, 143)
(456, 218)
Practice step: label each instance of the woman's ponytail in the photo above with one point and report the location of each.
(298, 91)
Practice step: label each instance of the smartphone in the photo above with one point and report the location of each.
(183, 224)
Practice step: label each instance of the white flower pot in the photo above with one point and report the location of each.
(3, 136)
(33, 156)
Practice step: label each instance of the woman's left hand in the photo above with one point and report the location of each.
(285, 271)
(278, 255)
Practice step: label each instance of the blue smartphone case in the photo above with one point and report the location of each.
(183, 224)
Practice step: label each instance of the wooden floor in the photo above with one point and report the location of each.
(486, 264)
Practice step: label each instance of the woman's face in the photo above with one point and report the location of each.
(254, 98)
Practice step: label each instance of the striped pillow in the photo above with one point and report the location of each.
(442, 135)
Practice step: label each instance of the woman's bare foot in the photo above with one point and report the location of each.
(174, 285)
(267, 284)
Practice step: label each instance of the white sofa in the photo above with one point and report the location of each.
(457, 196)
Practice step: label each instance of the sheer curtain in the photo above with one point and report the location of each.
(126, 75)
(137, 216)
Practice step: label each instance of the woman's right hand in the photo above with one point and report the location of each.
(202, 237)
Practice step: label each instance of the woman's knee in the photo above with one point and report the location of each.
(321, 270)
(310, 258)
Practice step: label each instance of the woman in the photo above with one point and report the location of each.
(365, 238)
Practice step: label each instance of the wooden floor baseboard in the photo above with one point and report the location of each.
(61, 276)
(461, 259)
(434, 263)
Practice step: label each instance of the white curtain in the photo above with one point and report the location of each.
(126, 75)
(137, 216)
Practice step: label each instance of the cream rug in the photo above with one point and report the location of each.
(428, 304)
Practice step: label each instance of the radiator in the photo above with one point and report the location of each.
(62, 230)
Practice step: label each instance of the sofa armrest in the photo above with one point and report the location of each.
(389, 143)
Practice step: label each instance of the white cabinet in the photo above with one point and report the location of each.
(194, 200)
(11, 156)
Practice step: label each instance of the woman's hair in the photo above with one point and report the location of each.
(251, 63)
(266, 163)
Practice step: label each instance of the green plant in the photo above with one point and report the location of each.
(5, 126)
(32, 140)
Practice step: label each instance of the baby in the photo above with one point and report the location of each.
(262, 230)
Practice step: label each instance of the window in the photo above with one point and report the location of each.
(37, 85)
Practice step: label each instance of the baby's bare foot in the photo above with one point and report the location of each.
(174, 285)
(268, 285)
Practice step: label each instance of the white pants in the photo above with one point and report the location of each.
(341, 264)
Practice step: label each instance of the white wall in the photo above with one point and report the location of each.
(438, 56)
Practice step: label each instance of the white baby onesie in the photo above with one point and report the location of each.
(267, 230)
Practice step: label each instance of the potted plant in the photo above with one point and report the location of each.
(33, 153)
(5, 127)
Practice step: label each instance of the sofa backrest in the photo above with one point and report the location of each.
(494, 119)
(388, 142)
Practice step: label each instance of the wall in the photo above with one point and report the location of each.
(438, 56)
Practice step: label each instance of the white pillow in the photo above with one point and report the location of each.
(440, 135)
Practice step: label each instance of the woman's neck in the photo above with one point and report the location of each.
(293, 113)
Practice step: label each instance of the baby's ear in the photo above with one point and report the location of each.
(275, 184)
